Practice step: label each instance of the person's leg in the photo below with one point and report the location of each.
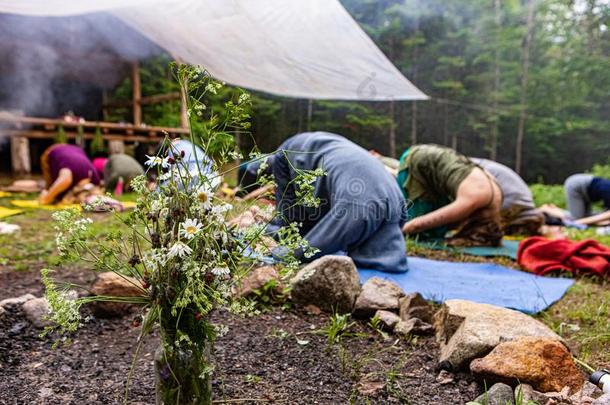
(577, 198)
(384, 250)
(59, 186)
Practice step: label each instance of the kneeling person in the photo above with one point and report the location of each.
(519, 213)
(446, 189)
(361, 210)
(64, 167)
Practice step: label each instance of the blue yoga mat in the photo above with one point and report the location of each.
(480, 282)
(508, 248)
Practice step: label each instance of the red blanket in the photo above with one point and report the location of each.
(541, 256)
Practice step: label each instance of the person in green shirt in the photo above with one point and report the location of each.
(120, 165)
(445, 190)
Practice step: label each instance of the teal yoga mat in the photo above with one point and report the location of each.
(507, 249)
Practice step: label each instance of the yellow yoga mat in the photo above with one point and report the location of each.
(56, 207)
(7, 212)
(36, 204)
(129, 204)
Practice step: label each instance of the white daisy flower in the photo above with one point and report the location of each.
(190, 228)
(180, 250)
(157, 161)
(221, 271)
(204, 196)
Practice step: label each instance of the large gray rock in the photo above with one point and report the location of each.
(331, 283)
(36, 311)
(16, 300)
(376, 294)
(498, 394)
(467, 330)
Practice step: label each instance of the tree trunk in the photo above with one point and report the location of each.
(300, 116)
(445, 124)
(454, 141)
(309, 113)
(414, 78)
(413, 122)
(524, 78)
(392, 131)
(493, 144)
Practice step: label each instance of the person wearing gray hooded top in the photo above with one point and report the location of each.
(362, 210)
(519, 213)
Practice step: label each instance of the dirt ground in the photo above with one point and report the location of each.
(277, 357)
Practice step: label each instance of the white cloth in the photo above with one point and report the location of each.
(298, 48)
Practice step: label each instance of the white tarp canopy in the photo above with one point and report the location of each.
(297, 48)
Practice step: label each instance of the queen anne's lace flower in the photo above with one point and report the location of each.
(190, 227)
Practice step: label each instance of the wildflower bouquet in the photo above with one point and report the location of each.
(179, 250)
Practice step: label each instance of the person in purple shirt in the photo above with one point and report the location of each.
(63, 167)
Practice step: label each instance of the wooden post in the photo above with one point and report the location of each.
(20, 155)
(116, 147)
(137, 93)
(105, 114)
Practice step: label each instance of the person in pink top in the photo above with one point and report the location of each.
(63, 167)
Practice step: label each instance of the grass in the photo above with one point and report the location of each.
(338, 327)
(582, 317)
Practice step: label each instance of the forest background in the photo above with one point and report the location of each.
(523, 82)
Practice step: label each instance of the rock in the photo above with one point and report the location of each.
(369, 386)
(467, 330)
(588, 392)
(528, 394)
(413, 305)
(331, 283)
(425, 313)
(36, 311)
(413, 326)
(257, 279)
(377, 293)
(543, 363)
(16, 300)
(603, 400)
(498, 394)
(388, 319)
(2, 311)
(312, 309)
(445, 377)
(111, 284)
